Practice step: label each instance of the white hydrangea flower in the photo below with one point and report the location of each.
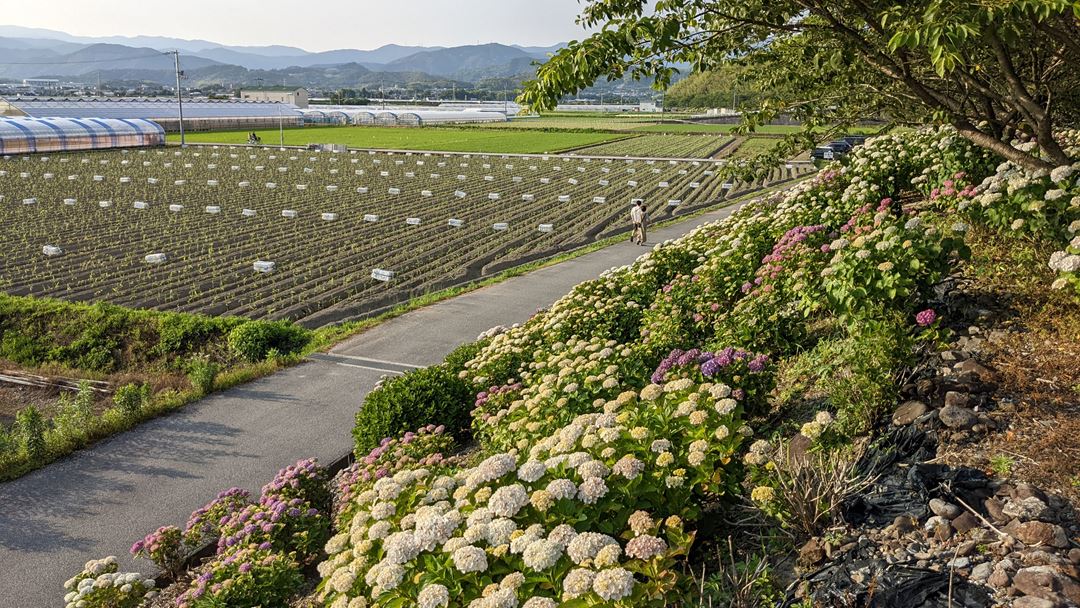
(613, 584)
(576, 583)
(470, 559)
(508, 500)
(400, 548)
(542, 554)
(433, 596)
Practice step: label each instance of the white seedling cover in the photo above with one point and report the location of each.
(459, 194)
(494, 196)
(213, 209)
(263, 266)
(301, 186)
(500, 226)
(176, 208)
(382, 275)
(141, 205)
(371, 217)
(412, 221)
(51, 250)
(527, 197)
(361, 190)
(456, 223)
(394, 191)
(291, 213)
(248, 212)
(426, 193)
(564, 198)
(599, 199)
(329, 217)
(156, 258)
(546, 227)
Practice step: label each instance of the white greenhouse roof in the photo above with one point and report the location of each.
(148, 108)
(21, 134)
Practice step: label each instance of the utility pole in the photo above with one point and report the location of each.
(179, 97)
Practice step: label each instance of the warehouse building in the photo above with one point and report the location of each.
(296, 97)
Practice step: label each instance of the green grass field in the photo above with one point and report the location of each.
(406, 138)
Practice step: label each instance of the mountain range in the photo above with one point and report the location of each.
(33, 52)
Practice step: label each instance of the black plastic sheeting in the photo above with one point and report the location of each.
(904, 485)
(883, 585)
(862, 578)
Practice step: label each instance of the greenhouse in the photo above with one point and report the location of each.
(22, 135)
(199, 114)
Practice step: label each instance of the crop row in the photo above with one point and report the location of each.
(326, 221)
(663, 146)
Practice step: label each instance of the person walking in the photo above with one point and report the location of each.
(638, 219)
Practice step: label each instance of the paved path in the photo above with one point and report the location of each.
(100, 500)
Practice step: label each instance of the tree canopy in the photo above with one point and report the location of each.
(996, 70)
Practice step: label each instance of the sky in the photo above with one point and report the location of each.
(315, 26)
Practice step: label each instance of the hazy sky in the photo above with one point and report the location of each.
(316, 25)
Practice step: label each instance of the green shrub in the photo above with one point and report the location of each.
(30, 432)
(253, 340)
(183, 334)
(461, 355)
(202, 373)
(249, 577)
(74, 415)
(855, 371)
(22, 349)
(131, 398)
(433, 395)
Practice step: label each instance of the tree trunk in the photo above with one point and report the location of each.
(984, 140)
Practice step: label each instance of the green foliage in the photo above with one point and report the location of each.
(456, 360)
(75, 415)
(30, 430)
(974, 65)
(433, 395)
(854, 372)
(254, 340)
(202, 373)
(1002, 465)
(131, 398)
(103, 338)
(254, 577)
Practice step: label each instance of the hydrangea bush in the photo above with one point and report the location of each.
(553, 522)
(101, 585)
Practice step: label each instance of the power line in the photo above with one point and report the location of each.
(83, 61)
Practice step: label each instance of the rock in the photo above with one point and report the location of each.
(971, 366)
(1030, 601)
(956, 417)
(908, 412)
(933, 522)
(1027, 508)
(1042, 558)
(1027, 490)
(1074, 556)
(956, 399)
(948, 355)
(1047, 582)
(944, 509)
(999, 578)
(812, 553)
(958, 563)
(943, 532)
(981, 572)
(1038, 533)
(966, 548)
(965, 522)
(995, 508)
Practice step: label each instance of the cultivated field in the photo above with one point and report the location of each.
(412, 138)
(326, 221)
(663, 146)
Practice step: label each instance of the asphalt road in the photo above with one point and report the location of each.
(98, 501)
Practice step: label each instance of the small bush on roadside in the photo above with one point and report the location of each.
(165, 547)
(253, 340)
(74, 415)
(433, 395)
(204, 525)
(131, 398)
(305, 480)
(30, 431)
(100, 585)
(250, 577)
(202, 373)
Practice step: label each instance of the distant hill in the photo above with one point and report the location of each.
(34, 52)
(94, 57)
(464, 59)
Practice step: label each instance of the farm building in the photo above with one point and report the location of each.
(199, 114)
(396, 117)
(22, 135)
(296, 97)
